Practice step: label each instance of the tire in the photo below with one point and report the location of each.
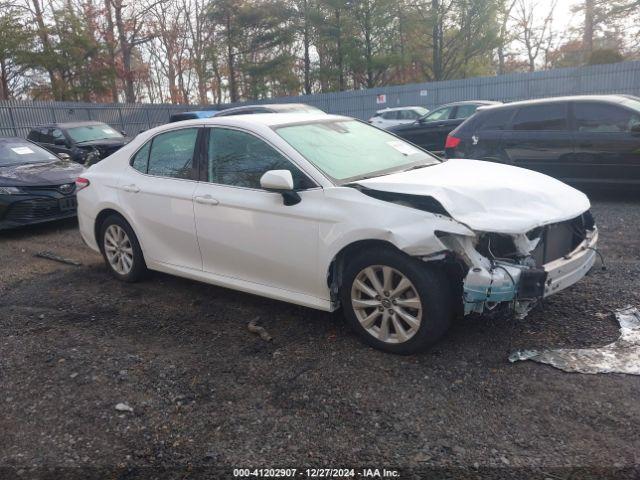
(427, 302)
(132, 267)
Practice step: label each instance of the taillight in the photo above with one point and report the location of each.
(81, 183)
(452, 142)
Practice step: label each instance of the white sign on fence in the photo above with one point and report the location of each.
(380, 99)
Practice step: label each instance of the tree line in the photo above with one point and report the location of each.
(217, 51)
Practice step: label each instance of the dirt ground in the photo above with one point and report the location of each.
(208, 396)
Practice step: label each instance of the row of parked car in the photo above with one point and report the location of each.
(580, 139)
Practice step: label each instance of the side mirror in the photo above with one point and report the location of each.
(280, 181)
(64, 156)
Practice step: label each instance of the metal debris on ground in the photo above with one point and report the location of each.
(621, 356)
(253, 327)
(57, 258)
(123, 407)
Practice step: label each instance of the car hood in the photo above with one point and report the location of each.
(35, 174)
(488, 196)
(108, 143)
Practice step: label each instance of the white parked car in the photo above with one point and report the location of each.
(326, 211)
(389, 117)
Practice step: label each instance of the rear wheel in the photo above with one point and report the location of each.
(121, 250)
(394, 302)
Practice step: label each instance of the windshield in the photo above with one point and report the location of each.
(17, 152)
(93, 132)
(347, 150)
(421, 111)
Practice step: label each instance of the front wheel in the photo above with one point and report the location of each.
(394, 302)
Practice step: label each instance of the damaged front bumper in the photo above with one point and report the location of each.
(489, 283)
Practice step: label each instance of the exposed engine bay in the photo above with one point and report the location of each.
(521, 269)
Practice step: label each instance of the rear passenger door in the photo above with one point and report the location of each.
(539, 139)
(606, 148)
(157, 194)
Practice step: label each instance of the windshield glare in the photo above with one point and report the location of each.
(347, 150)
(20, 153)
(93, 132)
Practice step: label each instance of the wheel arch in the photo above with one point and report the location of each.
(335, 269)
(102, 216)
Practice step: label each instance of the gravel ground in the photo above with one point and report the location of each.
(204, 392)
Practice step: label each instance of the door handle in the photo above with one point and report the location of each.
(131, 188)
(206, 200)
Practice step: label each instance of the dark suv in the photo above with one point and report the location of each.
(430, 131)
(84, 142)
(581, 139)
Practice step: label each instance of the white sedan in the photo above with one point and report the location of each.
(327, 211)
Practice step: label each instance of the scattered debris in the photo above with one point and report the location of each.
(253, 327)
(123, 407)
(621, 356)
(57, 258)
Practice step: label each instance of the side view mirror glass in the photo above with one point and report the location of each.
(280, 181)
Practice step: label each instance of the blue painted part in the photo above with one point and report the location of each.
(204, 113)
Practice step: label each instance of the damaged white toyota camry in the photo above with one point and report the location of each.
(326, 211)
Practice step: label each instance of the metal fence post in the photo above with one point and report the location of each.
(121, 118)
(13, 122)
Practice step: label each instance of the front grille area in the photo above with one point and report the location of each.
(559, 239)
(33, 210)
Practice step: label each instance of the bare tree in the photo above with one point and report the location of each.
(532, 31)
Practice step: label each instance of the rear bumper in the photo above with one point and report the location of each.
(566, 271)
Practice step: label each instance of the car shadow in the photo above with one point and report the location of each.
(38, 229)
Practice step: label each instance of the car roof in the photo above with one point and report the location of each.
(256, 121)
(85, 123)
(469, 102)
(392, 109)
(276, 107)
(568, 98)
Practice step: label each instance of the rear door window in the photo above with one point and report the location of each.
(390, 115)
(548, 117)
(495, 120)
(172, 154)
(603, 118)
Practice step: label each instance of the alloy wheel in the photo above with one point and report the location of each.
(118, 249)
(386, 304)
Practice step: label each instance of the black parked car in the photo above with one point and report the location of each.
(84, 142)
(35, 185)
(430, 131)
(581, 139)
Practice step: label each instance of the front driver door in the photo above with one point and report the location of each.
(247, 233)
(430, 132)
